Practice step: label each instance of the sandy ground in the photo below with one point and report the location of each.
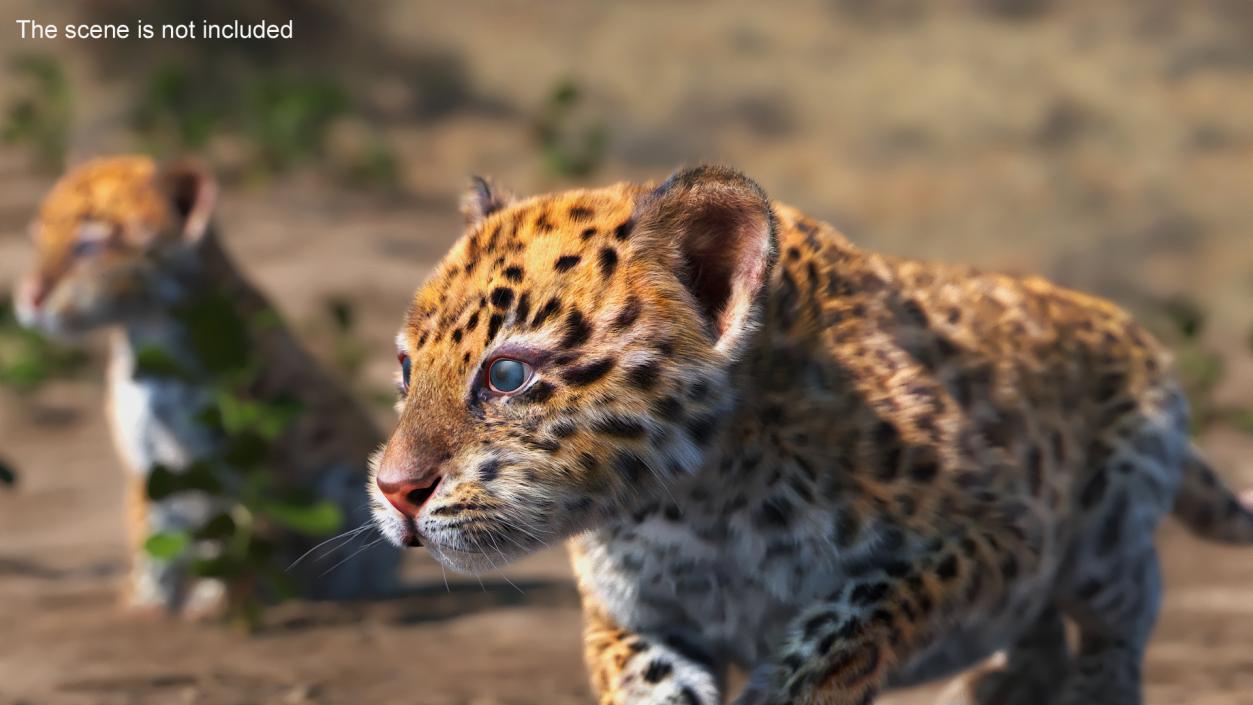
(1105, 144)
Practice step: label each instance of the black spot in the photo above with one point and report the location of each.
(1094, 490)
(619, 426)
(539, 393)
(524, 307)
(689, 696)
(565, 263)
(658, 671)
(644, 376)
(548, 445)
(472, 322)
(775, 512)
(502, 296)
(513, 274)
(546, 311)
(542, 223)
(628, 315)
(947, 570)
(668, 408)
(493, 326)
(623, 231)
(630, 465)
(869, 593)
(699, 390)
(608, 261)
(701, 429)
(563, 429)
(586, 374)
(925, 470)
(588, 233)
(456, 336)
(489, 471)
(578, 213)
(577, 330)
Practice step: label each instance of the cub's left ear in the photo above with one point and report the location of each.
(482, 199)
(192, 192)
(715, 230)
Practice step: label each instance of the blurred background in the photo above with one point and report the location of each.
(1108, 145)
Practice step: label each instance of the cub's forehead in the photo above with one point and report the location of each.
(116, 190)
(566, 245)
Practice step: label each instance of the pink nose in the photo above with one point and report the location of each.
(34, 290)
(409, 473)
(407, 495)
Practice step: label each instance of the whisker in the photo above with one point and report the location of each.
(354, 554)
(350, 534)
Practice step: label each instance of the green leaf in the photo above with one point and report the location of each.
(218, 334)
(266, 419)
(162, 482)
(219, 527)
(153, 362)
(167, 545)
(8, 476)
(313, 519)
(216, 567)
(199, 476)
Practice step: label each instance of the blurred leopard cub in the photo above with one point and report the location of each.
(839, 470)
(124, 243)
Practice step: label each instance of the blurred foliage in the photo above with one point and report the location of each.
(335, 332)
(238, 545)
(572, 146)
(8, 476)
(39, 117)
(282, 119)
(1181, 322)
(28, 359)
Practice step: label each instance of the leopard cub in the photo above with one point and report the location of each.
(129, 245)
(838, 470)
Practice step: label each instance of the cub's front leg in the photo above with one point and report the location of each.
(630, 668)
(842, 650)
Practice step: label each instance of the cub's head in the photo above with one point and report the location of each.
(106, 236)
(569, 358)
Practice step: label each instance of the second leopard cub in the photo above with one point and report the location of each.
(126, 244)
(839, 470)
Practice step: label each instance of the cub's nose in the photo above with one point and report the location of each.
(408, 474)
(406, 494)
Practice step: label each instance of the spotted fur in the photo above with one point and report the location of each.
(839, 470)
(122, 243)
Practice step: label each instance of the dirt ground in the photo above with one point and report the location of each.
(1108, 145)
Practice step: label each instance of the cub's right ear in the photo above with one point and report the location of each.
(192, 192)
(482, 199)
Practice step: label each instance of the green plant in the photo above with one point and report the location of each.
(28, 359)
(238, 545)
(177, 111)
(40, 116)
(1181, 321)
(287, 118)
(570, 147)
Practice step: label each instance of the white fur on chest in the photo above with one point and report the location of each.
(154, 421)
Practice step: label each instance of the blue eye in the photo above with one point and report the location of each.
(507, 375)
(85, 248)
(405, 368)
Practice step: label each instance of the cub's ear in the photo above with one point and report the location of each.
(715, 229)
(482, 199)
(192, 192)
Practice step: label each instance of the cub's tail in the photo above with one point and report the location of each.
(1212, 511)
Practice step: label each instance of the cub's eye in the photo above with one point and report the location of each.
(405, 367)
(86, 248)
(507, 375)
